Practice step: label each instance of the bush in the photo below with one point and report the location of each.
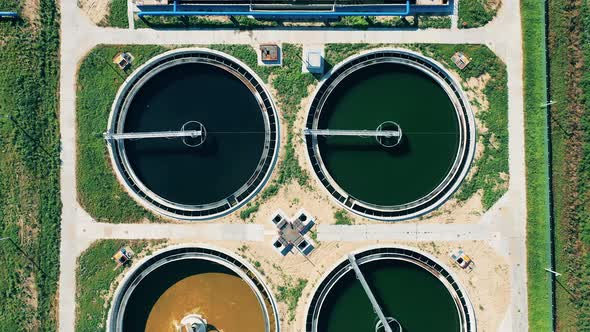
(117, 16)
(343, 218)
(475, 13)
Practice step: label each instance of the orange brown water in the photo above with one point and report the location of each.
(227, 303)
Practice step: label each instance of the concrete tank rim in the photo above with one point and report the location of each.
(119, 168)
(470, 140)
(199, 245)
(333, 267)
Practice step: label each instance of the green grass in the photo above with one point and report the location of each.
(30, 205)
(290, 293)
(476, 13)
(170, 22)
(494, 159)
(493, 162)
(117, 16)
(98, 81)
(410, 22)
(434, 22)
(246, 23)
(565, 232)
(249, 210)
(342, 218)
(9, 6)
(571, 155)
(539, 303)
(292, 87)
(95, 275)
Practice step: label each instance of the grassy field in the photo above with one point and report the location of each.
(494, 159)
(477, 13)
(98, 190)
(117, 16)
(30, 204)
(569, 51)
(95, 268)
(536, 166)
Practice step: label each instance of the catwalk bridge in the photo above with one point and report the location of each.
(376, 307)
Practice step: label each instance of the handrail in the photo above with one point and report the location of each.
(175, 12)
(153, 134)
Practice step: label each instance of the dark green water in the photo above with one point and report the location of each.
(409, 171)
(406, 292)
(235, 134)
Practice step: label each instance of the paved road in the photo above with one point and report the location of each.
(503, 225)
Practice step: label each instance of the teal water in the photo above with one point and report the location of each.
(409, 171)
(406, 292)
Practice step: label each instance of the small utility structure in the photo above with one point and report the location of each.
(269, 53)
(292, 233)
(460, 60)
(460, 258)
(123, 60)
(122, 256)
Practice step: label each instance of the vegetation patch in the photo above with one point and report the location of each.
(99, 192)
(9, 6)
(30, 205)
(477, 13)
(569, 49)
(489, 175)
(408, 22)
(343, 218)
(96, 278)
(179, 22)
(117, 16)
(290, 293)
(247, 23)
(539, 301)
(249, 210)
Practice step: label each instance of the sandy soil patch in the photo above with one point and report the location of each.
(96, 10)
(32, 301)
(494, 4)
(30, 10)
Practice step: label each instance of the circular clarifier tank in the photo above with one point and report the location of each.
(193, 285)
(193, 134)
(390, 135)
(413, 291)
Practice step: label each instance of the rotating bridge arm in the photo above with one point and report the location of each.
(370, 295)
(343, 132)
(153, 134)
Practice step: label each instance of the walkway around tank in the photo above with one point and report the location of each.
(78, 230)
